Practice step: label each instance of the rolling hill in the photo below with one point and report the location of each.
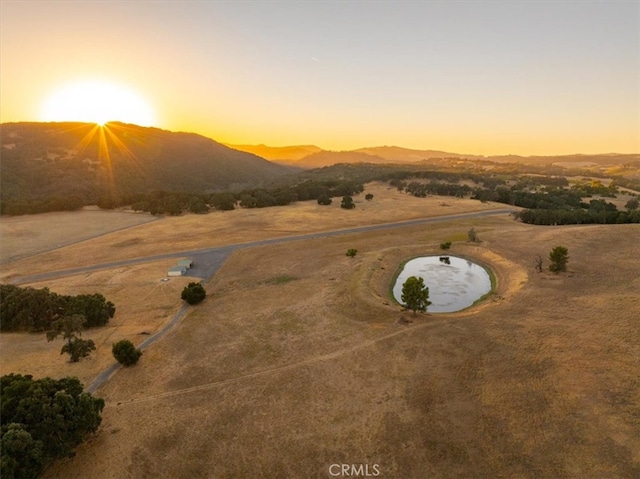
(278, 153)
(314, 157)
(41, 160)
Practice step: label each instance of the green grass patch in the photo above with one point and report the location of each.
(457, 237)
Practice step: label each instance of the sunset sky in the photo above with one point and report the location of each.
(535, 77)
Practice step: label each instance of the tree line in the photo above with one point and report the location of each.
(31, 309)
(526, 186)
(545, 200)
(176, 203)
(577, 216)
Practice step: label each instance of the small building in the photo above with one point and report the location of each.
(176, 271)
(186, 263)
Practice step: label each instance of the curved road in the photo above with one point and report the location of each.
(209, 260)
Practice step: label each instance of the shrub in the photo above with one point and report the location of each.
(446, 245)
(351, 252)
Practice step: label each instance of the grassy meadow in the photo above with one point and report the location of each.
(299, 359)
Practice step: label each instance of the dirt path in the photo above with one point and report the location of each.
(279, 369)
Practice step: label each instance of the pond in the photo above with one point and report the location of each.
(454, 283)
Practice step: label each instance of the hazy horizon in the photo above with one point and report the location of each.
(490, 78)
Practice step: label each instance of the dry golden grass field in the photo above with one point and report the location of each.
(298, 359)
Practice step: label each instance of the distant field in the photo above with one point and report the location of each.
(298, 358)
(22, 236)
(218, 228)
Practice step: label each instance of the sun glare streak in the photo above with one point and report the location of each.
(119, 144)
(107, 142)
(104, 157)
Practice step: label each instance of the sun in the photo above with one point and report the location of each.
(97, 102)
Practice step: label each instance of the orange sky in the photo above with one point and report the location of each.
(483, 78)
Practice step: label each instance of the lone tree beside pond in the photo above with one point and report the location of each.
(415, 295)
(193, 293)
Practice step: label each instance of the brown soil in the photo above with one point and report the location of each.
(298, 359)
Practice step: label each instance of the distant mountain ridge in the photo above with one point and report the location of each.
(48, 159)
(278, 153)
(82, 160)
(407, 155)
(299, 156)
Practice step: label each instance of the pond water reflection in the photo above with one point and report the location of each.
(454, 283)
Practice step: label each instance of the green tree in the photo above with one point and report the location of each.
(347, 203)
(415, 295)
(368, 197)
(94, 307)
(193, 293)
(248, 201)
(42, 420)
(223, 201)
(125, 352)
(78, 348)
(70, 327)
(633, 204)
(21, 455)
(197, 205)
(559, 256)
(324, 200)
(445, 245)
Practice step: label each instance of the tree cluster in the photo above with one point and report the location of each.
(421, 190)
(31, 309)
(42, 420)
(595, 187)
(24, 206)
(173, 203)
(577, 216)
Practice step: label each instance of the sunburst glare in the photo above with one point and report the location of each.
(97, 102)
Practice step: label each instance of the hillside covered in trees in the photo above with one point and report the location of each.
(58, 166)
(64, 166)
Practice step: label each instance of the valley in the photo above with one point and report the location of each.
(299, 359)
